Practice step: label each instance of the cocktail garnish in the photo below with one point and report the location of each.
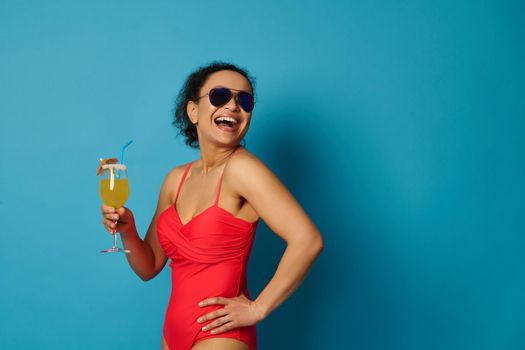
(104, 162)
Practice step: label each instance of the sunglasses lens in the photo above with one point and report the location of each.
(220, 96)
(246, 101)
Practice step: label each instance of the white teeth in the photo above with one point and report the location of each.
(228, 119)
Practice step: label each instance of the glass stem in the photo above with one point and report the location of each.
(115, 240)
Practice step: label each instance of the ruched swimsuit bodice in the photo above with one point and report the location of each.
(209, 256)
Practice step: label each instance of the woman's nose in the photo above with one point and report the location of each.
(232, 104)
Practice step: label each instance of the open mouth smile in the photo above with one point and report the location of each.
(227, 123)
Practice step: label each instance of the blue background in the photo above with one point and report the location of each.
(398, 125)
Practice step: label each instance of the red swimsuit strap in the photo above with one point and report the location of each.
(182, 180)
(219, 191)
(220, 181)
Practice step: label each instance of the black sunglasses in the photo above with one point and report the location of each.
(219, 96)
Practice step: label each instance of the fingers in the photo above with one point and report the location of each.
(225, 326)
(212, 315)
(112, 217)
(109, 218)
(219, 325)
(225, 317)
(107, 209)
(212, 301)
(110, 226)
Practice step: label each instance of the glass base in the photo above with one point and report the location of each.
(116, 250)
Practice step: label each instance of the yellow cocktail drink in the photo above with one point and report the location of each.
(117, 196)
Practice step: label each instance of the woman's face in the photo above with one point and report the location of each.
(207, 116)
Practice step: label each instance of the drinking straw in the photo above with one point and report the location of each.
(122, 151)
(111, 179)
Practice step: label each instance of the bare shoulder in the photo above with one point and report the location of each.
(171, 180)
(176, 172)
(247, 173)
(245, 163)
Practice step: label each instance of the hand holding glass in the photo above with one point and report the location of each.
(114, 190)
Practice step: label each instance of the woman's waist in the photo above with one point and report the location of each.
(202, 281)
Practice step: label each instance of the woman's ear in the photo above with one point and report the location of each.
(192, 110)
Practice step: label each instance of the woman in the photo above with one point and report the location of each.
(206, 217)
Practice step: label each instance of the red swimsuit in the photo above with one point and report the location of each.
(208, 255)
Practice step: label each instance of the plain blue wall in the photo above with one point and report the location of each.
(398, 125)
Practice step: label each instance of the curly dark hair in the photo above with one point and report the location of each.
(190, 92)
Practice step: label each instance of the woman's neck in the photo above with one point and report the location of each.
(212, 157)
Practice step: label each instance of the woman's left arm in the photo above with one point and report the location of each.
(284, 216)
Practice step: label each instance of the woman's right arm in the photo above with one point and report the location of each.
(147, 257)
